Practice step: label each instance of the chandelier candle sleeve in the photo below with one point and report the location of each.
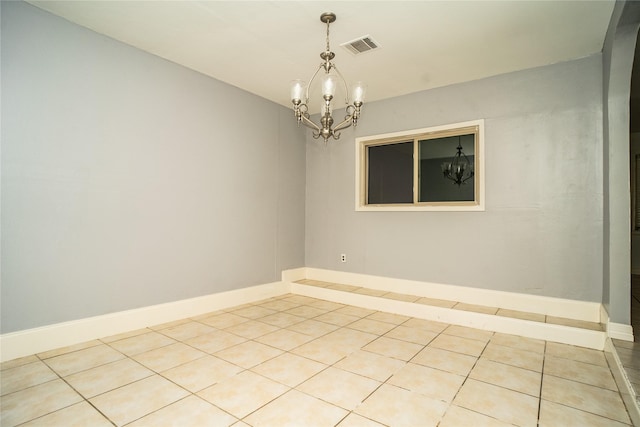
(330, 80)
(328, 85)
(359, 90)
(297, 89)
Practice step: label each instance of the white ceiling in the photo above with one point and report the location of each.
(260, 46)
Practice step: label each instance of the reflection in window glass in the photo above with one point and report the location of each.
(433, 186)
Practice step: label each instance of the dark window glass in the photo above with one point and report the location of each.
(390, 173)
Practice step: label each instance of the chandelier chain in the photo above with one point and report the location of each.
(328, 47)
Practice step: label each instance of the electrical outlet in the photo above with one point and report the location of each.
(343, 258)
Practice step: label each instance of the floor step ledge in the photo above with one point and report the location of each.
(538, 304)
(489, 322)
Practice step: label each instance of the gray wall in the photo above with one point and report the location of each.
(541, 232)
(618, 54)
(129, 181)
(635, 254)
(634, 144)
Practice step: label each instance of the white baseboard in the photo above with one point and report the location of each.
(37, 340)
(294, 274)
(620, 331)
(572, 309)
(616, 330)
(604, 315)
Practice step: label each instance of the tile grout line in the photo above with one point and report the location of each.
(542, 375)
(76, 391)
(466, 378)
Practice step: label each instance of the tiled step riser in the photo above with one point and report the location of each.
(542, 305)
(545, 331)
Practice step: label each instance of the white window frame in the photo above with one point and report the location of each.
(362, 143)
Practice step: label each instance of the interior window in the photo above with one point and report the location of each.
(426, 169)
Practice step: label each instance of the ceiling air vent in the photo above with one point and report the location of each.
(361, 45)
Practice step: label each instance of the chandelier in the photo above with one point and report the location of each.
(459, 169)
(330, 80)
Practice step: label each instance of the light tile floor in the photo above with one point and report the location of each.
(295, 360)
(629, 354)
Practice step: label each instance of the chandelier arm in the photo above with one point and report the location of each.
(468, 162)
(306, 93)
(308, 123)
(348, 121)
(344, 84)
(468, 178)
